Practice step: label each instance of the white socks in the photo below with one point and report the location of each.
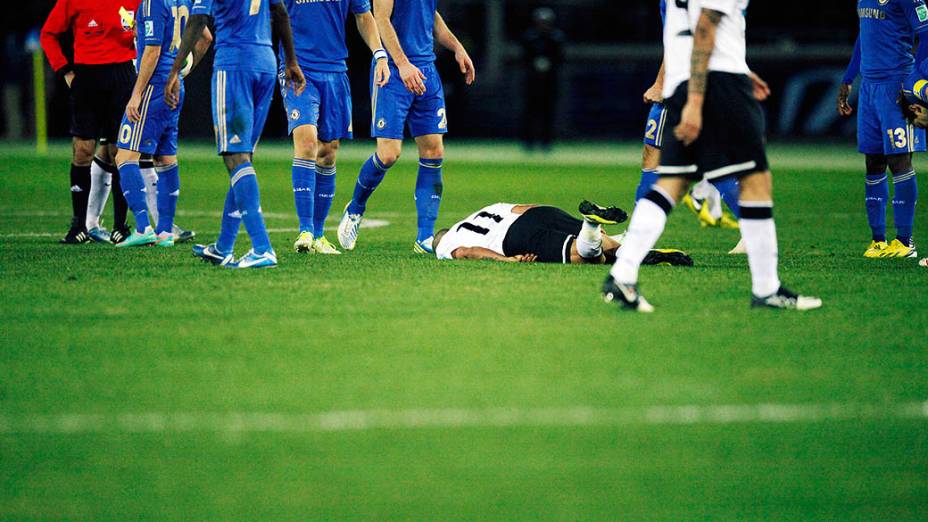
(760, 240)
(151, 188)
(590, 241)
(100, 182)
(646, 226)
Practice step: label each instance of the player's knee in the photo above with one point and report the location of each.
(165, 161)
(388, 154)
(233, 161)
(306, 145)
(122, 156)
(876, 163)
(328, 152)
(82, 152)
(899, 163)
(432, 151)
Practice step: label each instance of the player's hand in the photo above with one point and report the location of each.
(381, 72)
(295, 78)
(132, 108)
(69, 78)
(844, 93)
(412, 78)
(466, 65)
(690, 123)
(654, 94)
(921, 115)
(172, 90)
(522, 258)
(761, 89)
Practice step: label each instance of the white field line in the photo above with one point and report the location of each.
(364, 420)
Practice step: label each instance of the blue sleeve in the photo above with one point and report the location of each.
(153, 22)
(202, 7)
(360, 6)
(663, 12)
(916, 12)
(853, 68)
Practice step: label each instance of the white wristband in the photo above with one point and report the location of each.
(380, 53)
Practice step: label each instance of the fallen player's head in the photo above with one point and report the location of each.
(912, 100)
(438, 237)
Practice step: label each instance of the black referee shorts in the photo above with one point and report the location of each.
(98, 98)
(732, 141)
(547, 232)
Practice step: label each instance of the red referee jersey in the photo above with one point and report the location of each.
(101, 35)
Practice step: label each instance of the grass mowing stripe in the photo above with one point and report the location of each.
(335, 421)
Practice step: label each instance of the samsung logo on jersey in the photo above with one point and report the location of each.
(871, 12)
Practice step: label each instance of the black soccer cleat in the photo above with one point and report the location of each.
(183, 236)
(119, 235)
(784, 299)
(602, 215)
(626, 296)
(75, 236)
(667, 257)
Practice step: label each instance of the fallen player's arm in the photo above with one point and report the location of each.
(481, 253)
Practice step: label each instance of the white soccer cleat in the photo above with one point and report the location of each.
(348, 229)
(739, 249)
(325, 247)
(304, 243)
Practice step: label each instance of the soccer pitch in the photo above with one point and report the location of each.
(383, 385)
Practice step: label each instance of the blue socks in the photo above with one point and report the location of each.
(905, 189)
(168, 192)
(428, 196)
(133, 188)
(245, 186)
(648, 179)
(304, 189)
(325, 193)
(372, 173)
(877, 193)
(231, 221)
(731, 192)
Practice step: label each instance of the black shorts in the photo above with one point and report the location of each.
(98, 98)
(547, 232)
(732, 141)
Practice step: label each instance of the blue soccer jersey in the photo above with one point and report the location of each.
(414, 21)
(319, 32)
(161, 23)
(887, 33)
(243, 33)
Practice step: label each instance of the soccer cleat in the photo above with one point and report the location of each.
(786, 300)
(876, 249)
(706, 219)
(348, 229)
(181, 235)
(667, 257)
(325, 247)
(119, 235)
(99, 234)
(899, 249)
(692, 203)
(625, 296)
(75, 236)
(146, 238)
(166, 240)
(253, 260)
(304, 243)
(739, 248)
(424, 246)
(212, 254)
(598, 215)
(729, 221)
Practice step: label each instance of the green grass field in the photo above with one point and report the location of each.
(381, 385)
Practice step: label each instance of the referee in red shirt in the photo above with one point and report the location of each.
(100, 78)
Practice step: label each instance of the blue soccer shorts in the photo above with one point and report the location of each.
(325, 104)
(241, 101)
(395, 108)
(654, 128)
(156, 132)
(881, 125)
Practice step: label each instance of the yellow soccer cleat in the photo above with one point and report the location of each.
(304, 243)
(876, 249)
(899, 249)
(692, 204)
(325, 247)
(729, 221)
(706, 219)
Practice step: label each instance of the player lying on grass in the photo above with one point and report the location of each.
(529, 233)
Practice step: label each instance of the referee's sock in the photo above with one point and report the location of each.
(644, 229)
(133, 186)
(80, 188)
(100, 180)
